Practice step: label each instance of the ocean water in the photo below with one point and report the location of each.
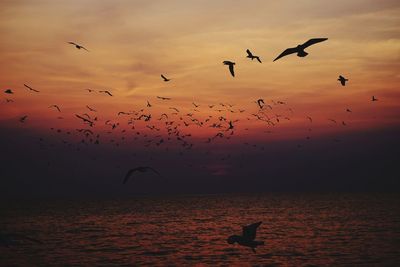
(298, 230)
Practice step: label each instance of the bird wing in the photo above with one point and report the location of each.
(249, 231)
(84, 48)
(287, 52)
(313, 41)
(258, 59)
(231, 70)
(72, 43)
(249, 53)
(107, 92)
(153, 170)
(128, 175)
(162, 76)
(30, 88)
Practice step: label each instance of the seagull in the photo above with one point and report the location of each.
(308, 117)
(342, 80)
(247, 237)
(260, 102)
(348, 110)
(9, 100)
(251, 56)
(55, 106)
(78, 46)
(30, 88)
(138, 169)
(148, 104)
(22, 119)
(84, 119)
(230, 64)
(9, 91)
(106, 92)
(165, 78)
(89, 90)
(163, 98)
(91, 109)
(374, 99)
(300, 48)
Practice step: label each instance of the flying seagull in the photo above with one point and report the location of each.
(30, 88)
(91, 109)
(230, 64)
(251, 56)
(55, 106)
(374, 98)
(78, 46)
(138, 169)
(247, 237)
(300, 48)
(260, 102)
(342, 80)
(9, 91)
(165, 78)
(106, 92)
(23, 118)
(163, 98)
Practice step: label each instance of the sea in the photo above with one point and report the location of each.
(299, 229)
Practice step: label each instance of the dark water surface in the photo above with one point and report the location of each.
(298, 230)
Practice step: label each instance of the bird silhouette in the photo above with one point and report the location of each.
(9, 91)
(260, 102)
(91, 109)
(30, 88)
(247, 237)
(251, 56)
(165, 78)
(78, 46)
(163, 98)
(138, 169)
(342, 80)
(23, 118)
(300, 48)
(374, 98)
(106, 92)
(55, 106)
(230, 64)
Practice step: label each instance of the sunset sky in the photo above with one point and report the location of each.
(132, 42)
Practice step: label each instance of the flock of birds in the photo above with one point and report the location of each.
(174, 120)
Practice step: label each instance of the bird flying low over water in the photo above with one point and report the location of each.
(106, 92)
(260, 102)
(300, 48)
(9, 91)
(247, 237)
(30, 88)
(138, 169)
(55, 106)
(165, 78)
(342, 80)
(78, 46)
(230, 64)
(251, 56)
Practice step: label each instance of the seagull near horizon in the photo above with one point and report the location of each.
(78, 46)
(165, 78)
(300, 48)
(251, 56)
(138, 169)
(106, 92)
(23, 118)
(247, 238)
(30, 88)
(230, 64)
(8, 91)
(342, 80)
(55, 106)
(163, 98)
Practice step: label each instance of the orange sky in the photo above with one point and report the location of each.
(132, 42)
